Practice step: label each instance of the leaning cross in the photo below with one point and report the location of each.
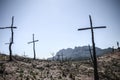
(96, 76)
(12, 34)
(33, 46)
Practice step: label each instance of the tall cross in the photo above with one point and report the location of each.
(33, 46)
(12, 34)
(96, 76)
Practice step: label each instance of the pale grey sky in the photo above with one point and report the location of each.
(55, 24)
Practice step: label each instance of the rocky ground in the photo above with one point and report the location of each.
(28, 69)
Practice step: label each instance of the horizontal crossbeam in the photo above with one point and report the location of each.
(8, 43)
(7, 27)
(90, 28)
(33, 41)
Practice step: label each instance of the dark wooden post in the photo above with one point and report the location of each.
(96, 76)
(33, 46)
(94, 52)
(11, 42)
(12, 37)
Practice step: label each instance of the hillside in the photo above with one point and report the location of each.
(28, 69)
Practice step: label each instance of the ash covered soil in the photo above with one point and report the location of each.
(28, 69)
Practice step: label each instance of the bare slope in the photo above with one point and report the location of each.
(28, 69)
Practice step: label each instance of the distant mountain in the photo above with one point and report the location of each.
(79, 53)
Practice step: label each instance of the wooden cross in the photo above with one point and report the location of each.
(33, 46)
(96, 76)
(24, 55)
(12, 34)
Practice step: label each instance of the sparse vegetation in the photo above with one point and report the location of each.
(29, 69)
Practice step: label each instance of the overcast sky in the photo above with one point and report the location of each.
(55, 24)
